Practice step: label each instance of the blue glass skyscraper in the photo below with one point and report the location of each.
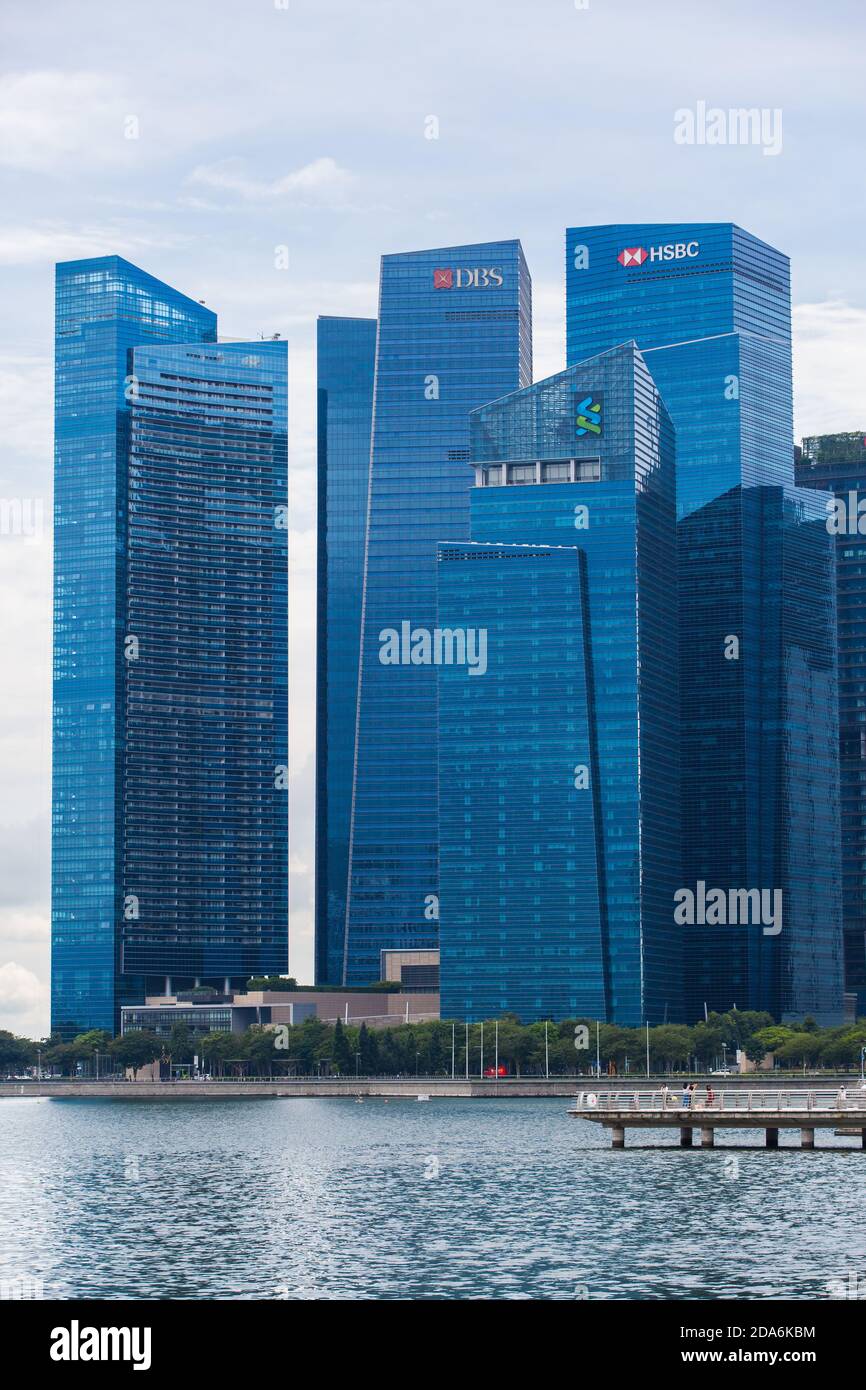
(709, 307)
(559, 795)
(346, 359)
(837, 463)
(168, 851)
(520, 918)
(454, 332)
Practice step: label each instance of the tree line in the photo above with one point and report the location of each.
(568, 1048)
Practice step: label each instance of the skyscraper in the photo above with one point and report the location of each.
(837, 463)
(760, 751)
(454, 332)
(559, 795)
(346, 359)
(170, 823)
(709, 307)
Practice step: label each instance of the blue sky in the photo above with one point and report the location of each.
(196, 137)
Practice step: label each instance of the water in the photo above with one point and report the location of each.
(327, 1199)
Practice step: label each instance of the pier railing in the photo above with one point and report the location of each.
(721, 1102)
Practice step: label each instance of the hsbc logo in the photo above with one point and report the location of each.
(467, 278)
(671, 251)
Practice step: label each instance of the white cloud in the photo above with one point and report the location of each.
(829, 368)
(52, 122)
(20, 990)
(30, 927)
(46, 242)
(26, 407)
(322, 181)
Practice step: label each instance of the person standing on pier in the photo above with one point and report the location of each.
(687, 1095)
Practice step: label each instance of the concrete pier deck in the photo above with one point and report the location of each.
(771, 1110)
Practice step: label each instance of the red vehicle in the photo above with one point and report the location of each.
(494, 1071)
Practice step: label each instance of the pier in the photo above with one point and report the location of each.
(771, 1110)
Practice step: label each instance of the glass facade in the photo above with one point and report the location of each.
(454, 332)
(837, 463)
(346, 358)
(709, 306)
(582, 460)
(126, 567)
(520, 924)
(204, 798)
(760, 749)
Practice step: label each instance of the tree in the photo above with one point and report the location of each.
(766, 1040)
(798, 1049)
(181, 1043)
(136, 1049)
(86, 1045)
(218, 1048)
(707, 1039)
(341, 1052)
(671, 1043)
(271, 982)
(259, 1045)
(62, 1055)
(369, 1049)
(15, 1053)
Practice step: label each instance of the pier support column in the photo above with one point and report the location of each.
(708, 1136)
(617, 1136)
(772, 1138)
(807, 1138)
(863, 1138)
(685, 1136)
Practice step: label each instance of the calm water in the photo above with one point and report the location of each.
(450, 1199)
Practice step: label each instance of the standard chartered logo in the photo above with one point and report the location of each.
(438, 646)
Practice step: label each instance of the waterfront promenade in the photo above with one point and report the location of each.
(334, 1087)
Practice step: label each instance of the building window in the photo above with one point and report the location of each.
(589, 471)
(521, 473)
(556, 472)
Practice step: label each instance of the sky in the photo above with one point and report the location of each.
(262, 154)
